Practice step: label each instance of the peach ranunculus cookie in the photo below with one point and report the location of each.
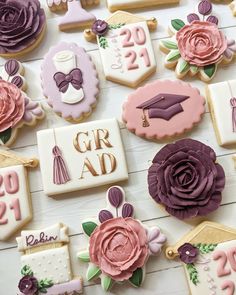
(119, 245)
(197, 47)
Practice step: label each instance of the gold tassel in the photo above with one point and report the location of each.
(145, 121)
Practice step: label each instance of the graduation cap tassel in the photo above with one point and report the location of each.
(145, 121)
(233, 105)
(60, 173)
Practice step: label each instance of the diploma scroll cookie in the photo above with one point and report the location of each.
(16, 109)
(119, 244)
(125, 47)
(81, 156)
(208, 255)
(190, 57)
(15, 200)
(45, 261)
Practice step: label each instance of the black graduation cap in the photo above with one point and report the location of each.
(163, 105)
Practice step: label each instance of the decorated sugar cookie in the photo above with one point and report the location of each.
(233, 7)
(119, 244)
(45, 261)
(222, 103)
(208, 256)
(81, 156)
(76, 16)
(125, 47)
(190, 56)
(185, 179)
(114, 5)
(69, 81)
(22, 27)
(15, 201)
(163, 109)
(16, 109)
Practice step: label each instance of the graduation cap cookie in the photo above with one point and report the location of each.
(163, 109)
(208, 253)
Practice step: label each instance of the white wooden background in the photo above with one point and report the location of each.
(163, 277)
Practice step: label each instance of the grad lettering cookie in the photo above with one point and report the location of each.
(45, 263)
(22, 27)
(208, 255)
(15, 201)
(222, 105)
(187, 55)
(69, 81)
(81, 156)
(119, 244)
(114, 5)
(163, 109)
(125, 47)
(16, 109)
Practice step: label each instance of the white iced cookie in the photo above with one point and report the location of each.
(233, 7)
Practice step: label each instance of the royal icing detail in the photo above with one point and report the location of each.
(69, 81)
(15, 203)
(46, 269)
(163, 109)
(126, 51)
(130, 243)
(90, 154)
(187, 55)
(221, 99)
(16, 109)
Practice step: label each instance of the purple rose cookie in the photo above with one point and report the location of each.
(22, 26)
(186, 180)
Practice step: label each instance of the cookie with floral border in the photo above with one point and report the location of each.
(22, 27)
(70, 81)
(185, 179)
(15, 200)
(163, 109)
(189, 56)
(45, 260)
(16, 109)
(119, 244)
(208, 256)
(125, 47)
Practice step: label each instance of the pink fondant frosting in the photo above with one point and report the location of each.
(12, 105)
(189, 113)
(90, 82)
(118, 247)
(201, 43)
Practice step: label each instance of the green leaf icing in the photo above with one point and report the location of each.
(137, 277)
(44, 284)
(107, 283)
(26, 271)
(206, 248)
(194, 69)
(177, 24)
(116, 26)
(173, 55)
(184, 67)
(103, 42)
(169, 44)
(89, 227)
(93, 272)
(5, 135)
(84, 256)
(210, 70)
(193, 274)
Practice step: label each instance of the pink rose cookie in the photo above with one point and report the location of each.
(197, 48)
(69, 81)
(16, 109)
(119, 245)
(163, 109)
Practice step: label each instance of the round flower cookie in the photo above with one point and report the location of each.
(197, 47)
(186, 180)
(22, 26)
(69, 81)
(119, 245)
(163, 109)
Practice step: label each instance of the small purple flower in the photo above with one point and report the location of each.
(188, 253)
(212, 19)
(100, 27)
(205, 7)
(115, 196)
(192, 17)
(28, 285)
(104, 215)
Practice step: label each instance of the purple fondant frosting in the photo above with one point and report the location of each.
(21, 23)
(186, 179)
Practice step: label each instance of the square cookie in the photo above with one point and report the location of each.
(81, 156)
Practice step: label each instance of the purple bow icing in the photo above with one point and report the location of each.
(63, 80)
